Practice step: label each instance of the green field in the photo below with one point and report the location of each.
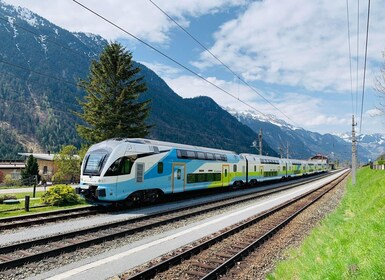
(18, 209)
(349, 243)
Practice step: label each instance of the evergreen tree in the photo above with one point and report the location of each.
(31, 169)
(111, 107)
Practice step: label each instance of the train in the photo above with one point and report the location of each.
(135, 170)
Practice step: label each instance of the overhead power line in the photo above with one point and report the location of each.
(38, 73)
(366, 54)
(350, 55)
(166, 56)
(52, 41)
(220, 61)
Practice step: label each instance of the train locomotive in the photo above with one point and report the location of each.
(135, 170)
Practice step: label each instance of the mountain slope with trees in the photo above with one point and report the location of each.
(40, 67)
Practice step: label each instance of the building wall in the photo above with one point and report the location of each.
(12, 168)
(46, 169)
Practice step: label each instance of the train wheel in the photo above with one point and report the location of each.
(253, 182)
(152, 196)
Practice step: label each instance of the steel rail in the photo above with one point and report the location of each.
(121, 229)
(47, 217)
(177, 259)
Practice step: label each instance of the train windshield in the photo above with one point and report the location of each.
(94, 163)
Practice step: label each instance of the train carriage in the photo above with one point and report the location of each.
(141, 170)
(132, 170)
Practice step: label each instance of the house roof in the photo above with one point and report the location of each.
(12, 165)
(48, 157)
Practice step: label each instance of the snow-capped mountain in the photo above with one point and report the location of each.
(374, 143)
(303, 144)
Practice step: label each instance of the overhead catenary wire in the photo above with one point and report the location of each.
(37, 72)
(50, 40)
(350, 55)
(220, 61)
(365, 59)
(167, 56)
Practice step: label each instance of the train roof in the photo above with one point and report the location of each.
(167, 144)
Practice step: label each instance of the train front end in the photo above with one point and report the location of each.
(95, 186)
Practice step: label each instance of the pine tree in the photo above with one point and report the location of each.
(31, 169)
(111, 107)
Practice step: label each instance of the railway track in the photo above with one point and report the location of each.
(48, 217)
(215, 255)
(15, 255)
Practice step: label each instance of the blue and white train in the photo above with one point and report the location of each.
(140, 170)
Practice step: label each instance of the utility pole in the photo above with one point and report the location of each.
(260, 141)
(354, 153)
(281, 151)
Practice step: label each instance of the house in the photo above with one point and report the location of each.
(46, 164)
(12, 167)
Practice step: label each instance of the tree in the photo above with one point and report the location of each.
(2, 177)
(67, 164)
(31, 169)
(111, 107)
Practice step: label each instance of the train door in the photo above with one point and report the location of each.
(178, 177)
(225, 175)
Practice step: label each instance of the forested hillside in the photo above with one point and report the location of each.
(40, 66)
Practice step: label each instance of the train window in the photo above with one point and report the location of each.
(114, 168)
(223, 158)
(201, 177)
(225, 172)
(235, 168)
(255, 168)
(160, 167)
(210, 156)
(217, 156)
(201, 155)
(126, 166)
(210, 177)
(217, 177)
(191, 154)
(178, 174)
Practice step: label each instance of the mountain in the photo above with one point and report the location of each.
(304, 144)
(40, 66)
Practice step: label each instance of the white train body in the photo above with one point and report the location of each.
(129, 170)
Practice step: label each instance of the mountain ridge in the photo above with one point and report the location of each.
(39, 92)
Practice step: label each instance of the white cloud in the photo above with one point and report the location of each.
(298, 43)
(304, 111)
(138, 17)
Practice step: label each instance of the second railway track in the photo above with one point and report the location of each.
(213, 256)
(16, 255)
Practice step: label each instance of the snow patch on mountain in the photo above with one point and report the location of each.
(250, 114)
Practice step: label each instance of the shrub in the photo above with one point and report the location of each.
(60, 195)
(8, 181)
(5, 197)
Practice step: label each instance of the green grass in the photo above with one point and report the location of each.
(18, 209)
(350, 243)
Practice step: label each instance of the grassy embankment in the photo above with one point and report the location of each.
(10, 210)
(350, 242)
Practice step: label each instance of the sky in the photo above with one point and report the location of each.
(288, 58)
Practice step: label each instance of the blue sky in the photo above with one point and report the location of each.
(295, 53)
